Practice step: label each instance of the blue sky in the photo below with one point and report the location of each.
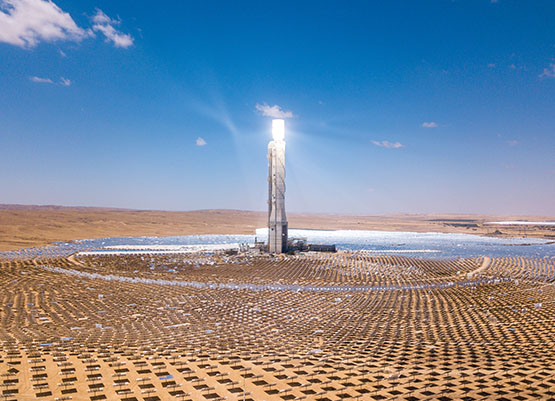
(428, 106)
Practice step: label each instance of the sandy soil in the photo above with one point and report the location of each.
(27, 226)
(86, 336)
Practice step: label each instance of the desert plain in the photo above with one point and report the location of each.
(26, 226)
(254, 326)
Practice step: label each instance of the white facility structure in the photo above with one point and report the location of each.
(277, 221)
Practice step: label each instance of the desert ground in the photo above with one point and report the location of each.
(255, 327)
(27, 226)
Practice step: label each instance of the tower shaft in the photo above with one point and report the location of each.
(277, 220)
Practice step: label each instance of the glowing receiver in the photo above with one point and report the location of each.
(278, 129)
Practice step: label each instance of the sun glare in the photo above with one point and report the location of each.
(278, 129)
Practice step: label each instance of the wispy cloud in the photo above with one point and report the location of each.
(104, 24)
(548, 72)
(273, 111)
(512, 142)
(200, 141)
(387, 144)
(25, 23)
(41, 80)
(430, 124)
(63, 81)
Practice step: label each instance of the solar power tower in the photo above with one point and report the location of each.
(277, 220)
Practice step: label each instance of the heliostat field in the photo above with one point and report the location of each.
(318, 326)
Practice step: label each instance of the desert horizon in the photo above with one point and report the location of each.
(36, 225)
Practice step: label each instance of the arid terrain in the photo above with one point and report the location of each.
(326, 327)
(253, 326)
(27, 226)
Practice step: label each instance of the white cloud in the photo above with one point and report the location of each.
(63, 81)
(104, 24)
(41, 80)
(25, 23)
(430, 124)
(273, 111)
(387, 144)
(548, 72)
(200, 141)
